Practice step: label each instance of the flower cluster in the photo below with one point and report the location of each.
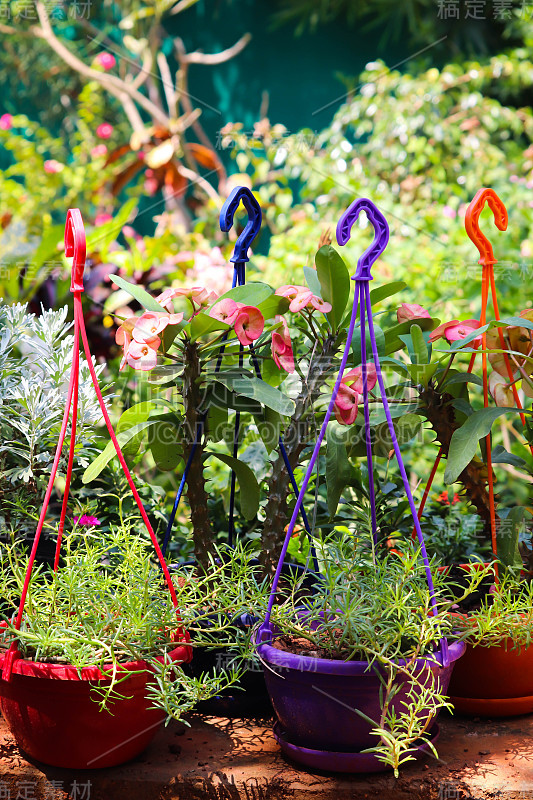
(139, 338)
(86, 521)
(455, 330)
(350, 391)
(301, 297)
(247, 321)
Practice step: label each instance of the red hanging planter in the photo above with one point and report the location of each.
(53, 713)
(52, 709)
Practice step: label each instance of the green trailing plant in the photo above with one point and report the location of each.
(374, 605)
(108, 604)
(504, 616)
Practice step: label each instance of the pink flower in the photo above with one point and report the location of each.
(302, 297)
(153, 322)
(198, 295)
(104, 131)
(282, 347)
(123, 338)
(226, 310)
(210, 268)
(86, 520)
(350, 389)
(455, 330)
(151, 184)
(101, 219)
(6, 122)
(52, 166)
(346, 405)
(409, 311)
(249, 324)
(105, 60)
(143, 355)
(99, 150)
(354, 378)
(449, 212)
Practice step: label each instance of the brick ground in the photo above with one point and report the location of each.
(221, 759)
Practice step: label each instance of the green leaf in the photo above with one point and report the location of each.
(101, 237)
(420, 348)
(273, 305)
(203, 324)
(311, 279)
(392, 335)
(165, 443)
(257, 390)
(501, 456)
(165, 374)
(132, 416)
(271, 373)
(334, 280)
(269, 427)
(387, 290)
(422, 373)
(464, 442)
(507, 539)
(405, 428)
(217, 420)
(132, 435)
(377, 416)
(463, 377)
(251, 294)
(142, 297)
(249, 487)
(519, 321)
(339, 471)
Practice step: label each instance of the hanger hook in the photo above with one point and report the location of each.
(229, 209)
(472, 222)
(381, 235)
(75, 246)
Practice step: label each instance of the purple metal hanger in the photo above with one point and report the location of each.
(362, 277)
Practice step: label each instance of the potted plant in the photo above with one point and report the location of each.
(100, 654)
(357, 675)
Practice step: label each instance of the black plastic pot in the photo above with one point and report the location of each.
(248, 698)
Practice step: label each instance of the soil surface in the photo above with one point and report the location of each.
(222, 759)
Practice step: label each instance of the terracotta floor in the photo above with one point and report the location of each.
(221, 759)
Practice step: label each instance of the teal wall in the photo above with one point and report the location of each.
(300, 73)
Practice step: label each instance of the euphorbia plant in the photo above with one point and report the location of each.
(208, 355)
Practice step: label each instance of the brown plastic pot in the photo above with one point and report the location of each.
(493, 681)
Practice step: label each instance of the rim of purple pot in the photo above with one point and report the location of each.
(327, 666)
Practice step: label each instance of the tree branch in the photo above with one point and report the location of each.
(115, 86)
(212, 59)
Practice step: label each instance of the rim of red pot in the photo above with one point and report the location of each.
(58, 671)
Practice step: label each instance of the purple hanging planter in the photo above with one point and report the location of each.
(314, 699)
